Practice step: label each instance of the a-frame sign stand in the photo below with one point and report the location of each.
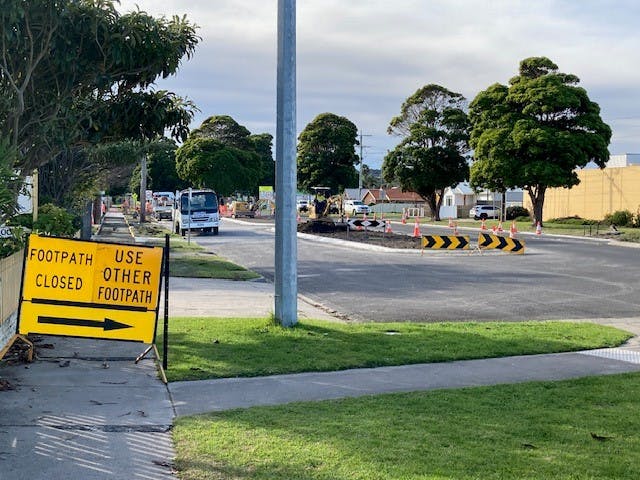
(165, 338)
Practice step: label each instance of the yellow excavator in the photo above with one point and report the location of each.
(324, 204)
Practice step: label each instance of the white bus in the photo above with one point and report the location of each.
(196, 209)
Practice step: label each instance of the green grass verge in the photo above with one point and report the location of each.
(201, 348)
(579, 429)
(208, 266)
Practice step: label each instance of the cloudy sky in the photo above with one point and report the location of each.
(363, 58)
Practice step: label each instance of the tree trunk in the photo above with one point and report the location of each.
(536, 195)
(433, 206)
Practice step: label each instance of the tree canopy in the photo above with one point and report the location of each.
(431, 155)
(223, 155)
(326, 153)
(76, 72)
(535, 132)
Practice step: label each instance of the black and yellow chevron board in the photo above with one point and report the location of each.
(486, 240)
(448, 242)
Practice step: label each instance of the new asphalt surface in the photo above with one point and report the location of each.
(84, 410)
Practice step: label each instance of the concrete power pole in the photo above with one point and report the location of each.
(286, 247)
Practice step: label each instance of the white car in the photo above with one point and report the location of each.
(484, 211)
(355, 207)
(302, 205)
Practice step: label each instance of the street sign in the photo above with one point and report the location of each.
(5, 232)
(448, 242)
(366, 223)
(89, 289)
(486, 240)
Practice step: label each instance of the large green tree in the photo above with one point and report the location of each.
(223, 155)
(76, 72)
(535, 132)
(326, 153)
(161, 167)
(431, 155)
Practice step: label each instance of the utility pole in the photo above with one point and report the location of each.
(286, 246)
(361, 163)
(143, 187)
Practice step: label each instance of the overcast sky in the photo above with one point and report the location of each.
(362, 58)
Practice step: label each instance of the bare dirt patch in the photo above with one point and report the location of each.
(373, 237)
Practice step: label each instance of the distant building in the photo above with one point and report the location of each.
(600, 191)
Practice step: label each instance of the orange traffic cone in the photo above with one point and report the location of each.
(416, 229)
(387, 224)
(538, 229)
(483, 225)
(494, 229)
(455, 229)
(450, 222)
(513, 230)
(404, 218)
(298, 218)
(374, 216)
(500, 226)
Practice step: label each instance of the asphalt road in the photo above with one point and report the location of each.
(557, 278)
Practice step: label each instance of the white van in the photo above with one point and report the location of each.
(196, 210)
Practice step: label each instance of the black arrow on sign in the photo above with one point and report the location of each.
(463, 242)
(428, 241)
(446, 241)
(517, 246)
(484, 240)
(106, 325)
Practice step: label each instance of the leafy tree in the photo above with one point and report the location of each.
(161, 168)
(535, 132)
(10, 184)
(224, 129)
(370, 178)
(76, 72)
(223, 155)
(206, 162)
(262, 143)
(326, 153)
(431, 156)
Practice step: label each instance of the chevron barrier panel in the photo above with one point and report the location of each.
(448, 242)
(487, 240)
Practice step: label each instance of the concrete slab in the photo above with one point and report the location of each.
(216, 395)
(83, 410)
(195, 297)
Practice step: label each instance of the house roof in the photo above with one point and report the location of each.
(353, 193)
(377, 194)
(395, 194)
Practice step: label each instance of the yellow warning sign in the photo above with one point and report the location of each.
(90, 289)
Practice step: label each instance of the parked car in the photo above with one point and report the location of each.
(302, 206)
(355, 207)
(484, 211)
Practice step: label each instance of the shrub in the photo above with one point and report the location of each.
(10, 245)
(56, 221)
(575, 220)
(515, 212)
(620, 218)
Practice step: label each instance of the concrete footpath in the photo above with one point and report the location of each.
(83, 410)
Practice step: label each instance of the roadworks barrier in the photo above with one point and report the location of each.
(447, 242)
(488, 241)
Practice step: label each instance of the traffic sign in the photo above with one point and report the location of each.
(90, 289)
(366, 223)
(448, 242)
(486, 240)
